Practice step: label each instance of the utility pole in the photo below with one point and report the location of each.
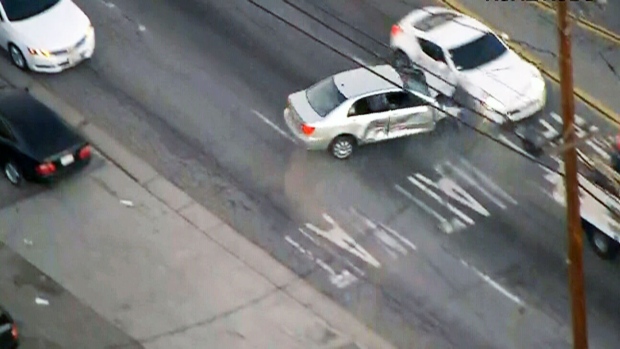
(575, 237)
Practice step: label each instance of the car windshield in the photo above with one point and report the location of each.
(18, 10)
(479, 52)
(324, 96)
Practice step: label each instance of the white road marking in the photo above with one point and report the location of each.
(456, 192)
(444, 224)
(340, 280)
(494, 284)
(385, 233)
(557, 118)
(601, 152)
(274, 126)
(550, 131)
(471, 181)
(488, 181)
(340, 238)
(108, 4)
(579, 124)
(434, 195)
(509, 143)
(141, 28)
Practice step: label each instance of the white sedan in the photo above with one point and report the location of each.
(457, 50)
(46, 36)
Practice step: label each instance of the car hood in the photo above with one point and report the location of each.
(55, 29)
(507, 79)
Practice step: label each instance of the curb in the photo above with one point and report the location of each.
(196, 215)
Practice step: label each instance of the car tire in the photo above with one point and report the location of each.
(604, 246)
(342, 147)
(17, 57)
(13, 173)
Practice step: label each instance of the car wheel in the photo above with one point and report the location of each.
(17, 57)
(342, 147)
(13, 173)
(604, 246)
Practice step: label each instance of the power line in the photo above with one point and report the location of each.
(360, 31)
(318, 20)
(456, 118)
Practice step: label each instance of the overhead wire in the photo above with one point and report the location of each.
(454, 117)
(381, 43)
(362, 47)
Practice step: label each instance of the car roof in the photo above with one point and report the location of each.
(361, 81)
(445, 27)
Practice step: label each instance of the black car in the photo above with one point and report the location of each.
(35, 143)
(9, 338)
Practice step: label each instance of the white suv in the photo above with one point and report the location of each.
(457, 50)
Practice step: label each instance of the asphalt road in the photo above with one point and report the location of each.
(187, 84)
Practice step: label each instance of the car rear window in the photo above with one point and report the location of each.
(324, 96)
(481, 51)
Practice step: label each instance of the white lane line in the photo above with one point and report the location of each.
(467, 178)
(494, 186)
(437, 198)
(444, 224)
(601, 152)
(509, 143)
(274, 126)
(495, 285)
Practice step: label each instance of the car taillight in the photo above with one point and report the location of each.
(14, 332)
(46, 169)
(396, 29)
(307, 130)
(84, 152)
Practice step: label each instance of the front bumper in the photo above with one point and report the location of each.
(519, 112)
(60, 62)
(310, 143)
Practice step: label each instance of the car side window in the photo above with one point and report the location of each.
(403, 100)
(370, 105)
(5, 131)
(433, 51)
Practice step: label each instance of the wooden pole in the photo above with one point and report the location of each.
(575, 236)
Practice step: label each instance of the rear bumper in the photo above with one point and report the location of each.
(309, 143)
(62, 173)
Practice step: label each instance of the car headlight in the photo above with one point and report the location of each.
(491, 103)
(39, 52)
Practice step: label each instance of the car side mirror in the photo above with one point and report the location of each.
(351, 111)
(505, 36)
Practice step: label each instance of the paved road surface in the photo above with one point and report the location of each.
(187, 85)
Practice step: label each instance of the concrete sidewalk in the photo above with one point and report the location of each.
(147, 258)
(170, 275)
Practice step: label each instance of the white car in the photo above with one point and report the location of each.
(457, 50)
(46, 36)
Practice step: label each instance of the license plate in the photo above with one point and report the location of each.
(67, 160)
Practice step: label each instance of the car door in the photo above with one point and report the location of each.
(409, 115)
(439, 74)
(368, 118)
